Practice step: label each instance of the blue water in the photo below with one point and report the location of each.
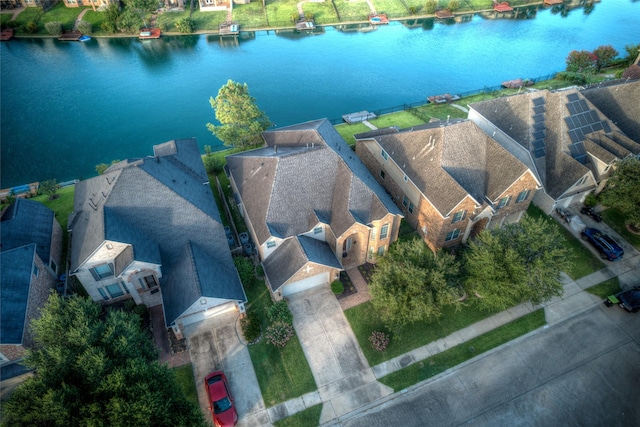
(67, 106)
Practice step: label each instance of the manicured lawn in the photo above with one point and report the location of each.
(364, 319)
(5, 17)
(606, 288)
(582, 261)
(62, 206)
(308, 417)
(27, 15)
(184, 377)
(352, 11)
(442, 111)
(96, 19)
(393, 8)
(203, 21)
(347, 131)
(615, 219)
(279, 12)
(439, 363)
(402, 119)
(323, 13)
(250, 15)
(61, 13)
(283, 373)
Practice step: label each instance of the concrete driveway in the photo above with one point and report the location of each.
(215, 345)
(342, 374)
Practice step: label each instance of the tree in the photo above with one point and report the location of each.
(622, 191)
(111, 15)
(633, 50)
(85, 27)
(98, 369)
(604, 56)
(54, 28)
(431, 6)
(185, 25)
(412, 283)
(49, 187)
(454, 5)
(581, 61)
(141, 8)
(242, 122)
(514, 264)
(102, 167)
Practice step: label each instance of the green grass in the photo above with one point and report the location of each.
(402, 119)
(347, 131)
(250, 15)
(323, 13)
(606, 288)
(352, 11)
(581, 261)
(66, 15)
(61, 206)
(439, 363)
(96, 19)
(283, 373)
(27, 15)
(279, 12)
(364, 319)
(203, 21)
(308, 417)
(5, 18)
(393, 8)
(184, 377)
(616, 220)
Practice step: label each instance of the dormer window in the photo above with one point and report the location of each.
(271, 244)
(317, 230)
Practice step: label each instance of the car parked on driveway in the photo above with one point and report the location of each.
(607, 247)
(629, 300)
(220, 400)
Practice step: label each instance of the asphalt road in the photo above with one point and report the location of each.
(581, 372)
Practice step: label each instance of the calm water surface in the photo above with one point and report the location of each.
(66, 107)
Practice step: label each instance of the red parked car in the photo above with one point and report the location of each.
(220, 400)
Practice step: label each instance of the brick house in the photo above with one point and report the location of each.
(570, 144)
(311, 206)
(149, 229)
(31, 257)
(451, 181)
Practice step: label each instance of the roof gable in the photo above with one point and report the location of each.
(15, 285)
(26, 222)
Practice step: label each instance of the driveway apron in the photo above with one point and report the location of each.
(343, 377)
(214, 345)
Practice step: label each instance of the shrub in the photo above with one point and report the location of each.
(413, 10)
(251, 328)
(141, 310)
(454, 5)
(279, 312)
(337, 287)
(213, 165)
(185, 25)
(85, 27)
(31, 26)
(279, 333)
(591, 200)
(54, 28)
(379, 340)
(245, 269)
(259, 271)
(431, 6)
(129, 305)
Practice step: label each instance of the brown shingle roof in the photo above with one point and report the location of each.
(620, 104)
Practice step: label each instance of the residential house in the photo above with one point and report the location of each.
(96, 4)
(216, 5)
(31, 258)
(450, 180)
(561, 136)
(311, 206)
(149, 229)
(44, 4)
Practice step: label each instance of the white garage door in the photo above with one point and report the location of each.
(305, 284)
(204, 314)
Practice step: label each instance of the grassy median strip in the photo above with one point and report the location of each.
(308, 417)
(606, 288)
(454, 356)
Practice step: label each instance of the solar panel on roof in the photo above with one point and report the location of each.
(538, 118)
(606, 127)
(572, 109)
(577, 149)
(538, 101)
(581, 119)
(594, 116)
(569, 121)
(596, 126)
(573, 135)
(582, 105)
(537, 144)
(538, 153)
(539, 109)
(539, 126)
(572, 97)
(539, 135)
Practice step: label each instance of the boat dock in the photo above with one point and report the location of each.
(228, 28)
(70, 36)
(358, 117)
(7, 34)
(150, 33)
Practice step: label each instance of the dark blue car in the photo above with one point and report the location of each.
(630, 300)
(607, 247)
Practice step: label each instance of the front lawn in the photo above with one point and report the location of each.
(308, 417)
(454, 356)
(283, 373)
(184, 377)
(606, 288)
(364, 319)
(615, 219)
(581, 261)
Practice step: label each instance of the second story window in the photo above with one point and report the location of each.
(523, 196)
(317, 230)
(384, 231)
(405, 201)
(410, 207)
(452, 235)
(503, 202)
(382, 174)
(459, 216)
(271, 244)
(373, 234)
(384, 155)
(101, 271)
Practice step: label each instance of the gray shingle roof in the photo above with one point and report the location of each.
(620, 104)
(15, 283)
(292, 255)
(164, 208)
(25, 222)
(453, 162)
(287, 187)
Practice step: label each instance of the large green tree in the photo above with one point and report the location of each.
(95, 368)
(412, 283)
(241, 121)
(623, 190)
(517, 263)
(141, 8)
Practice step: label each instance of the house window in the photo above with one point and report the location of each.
(582, 180)
(103, 294)
(382, 174)
(410, 207)
(523, 196)
(406, 178)
(384, 231)
(373, 234)
(99, 272)
(54, 266)
(459, 216)
(452, 235)
(371, 252)
(381, 251)
(115, 290)
(271, 244)
(405, 201)
(384, 155)
(124, 287)
(317, 230)
(36, 270)
(150, 281)
(503, 202)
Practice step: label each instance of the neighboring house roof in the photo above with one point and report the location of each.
(292, 255)
(15, 284)
(449, 163)
(552, 126)
(164, 208)
(620, 104)
(25, 222)
(303, 179)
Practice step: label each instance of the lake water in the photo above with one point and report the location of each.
(67, 106)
